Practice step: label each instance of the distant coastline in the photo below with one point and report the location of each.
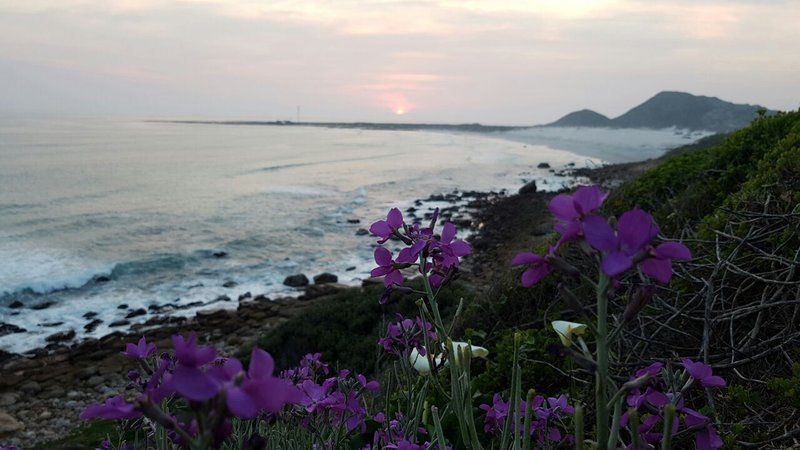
(468, 127)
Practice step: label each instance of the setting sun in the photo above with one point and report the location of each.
(399, 111)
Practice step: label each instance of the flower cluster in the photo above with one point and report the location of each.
(651, 399)
(407, 334)
(629, 246)
(214, 388)
(546, 423)
(330, 401)
(436, 256)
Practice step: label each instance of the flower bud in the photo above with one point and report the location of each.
(638, 300)
(561, 264)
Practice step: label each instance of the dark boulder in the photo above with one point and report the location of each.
(319, 290)
(136, 313)
(325, 278)
(123, 306)
(362, 232)
(61, 337)
(91, 326)
(246, 295)
(102, 279)
(119, 323)
(16, 304)
(44, 305)
(353, 221)
(89, 315)
(543, 165)
(219, 254)
(229, 284)
(298, 280)
(7, 328)
(529, 188)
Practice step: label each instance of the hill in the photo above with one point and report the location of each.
(672, 109)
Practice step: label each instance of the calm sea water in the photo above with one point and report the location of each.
(148, 204)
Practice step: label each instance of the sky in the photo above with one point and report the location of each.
(449, 61)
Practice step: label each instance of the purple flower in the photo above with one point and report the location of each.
(115, 408)
(372, 386)
(702, 373)
(571, 210)
(189, 379)
(258, 390)
(707, 439)
(407, 334)
(451, 250)
(388, 267)
(537, 268)
(631, 243)
(386, 228)
(141, 350)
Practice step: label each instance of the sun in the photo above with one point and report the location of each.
(399, 110)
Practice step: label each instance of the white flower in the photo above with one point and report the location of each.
(566, 330)
(422, 365)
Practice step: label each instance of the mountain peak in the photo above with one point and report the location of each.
(669, 109)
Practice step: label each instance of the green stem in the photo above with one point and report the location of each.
(614, 435)
(578, 418)
(669, 417)
(633, 421)
(601, 376)
(526, 429)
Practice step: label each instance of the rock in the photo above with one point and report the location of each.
(123, 306)
(51, 324)
(30, 387)
(298, 280)
(44, 305)
(136, 313)
(46, 414)
(8, 328)
(222, 298)
(229, 284)
(89, 315)
(9, 424)
(61, 337)
(543, 165)
(102, 279)
(325, 278)
(8, 398)
(16, 304)
(318, 290)
(91, 326)
(245, 296)
(260, 298)
(94, 380)
(350, 269)
(353, 221)
(55, 392)
(119, 323)
(362, 232)
(529, 188)
(73, 394)
(219, 254)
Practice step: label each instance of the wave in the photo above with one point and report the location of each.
(41, 271)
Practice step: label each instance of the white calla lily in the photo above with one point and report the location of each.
(566, 330)
(422, 365)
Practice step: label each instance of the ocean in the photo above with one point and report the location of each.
(108, 216)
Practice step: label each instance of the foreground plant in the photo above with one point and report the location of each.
(617, 251)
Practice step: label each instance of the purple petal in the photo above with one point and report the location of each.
(615, 263)
(460, 248)
(194, 384)
(658, 269)
(696, 370)
(563, 208)
(380, 228)
(599, 234)
(708, 439)
(240, 404)
(261, 364)
(448, 233)
(713, 382)
(656, 398)
(587, 199)
(694, 418)
(635, 229)
(393, 277)
(535, 275)
(380, 271)
(383, 257)
(527, 258)
(673, 250)
(395, 218)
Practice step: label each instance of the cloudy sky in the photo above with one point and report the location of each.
(494, 61)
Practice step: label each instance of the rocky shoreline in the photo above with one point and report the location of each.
(43, 392)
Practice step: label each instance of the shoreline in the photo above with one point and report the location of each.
(44, 392)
